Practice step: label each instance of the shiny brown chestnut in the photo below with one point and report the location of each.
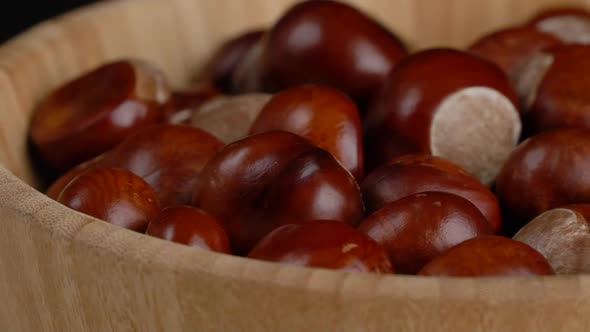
(572, 25)
(545, 172)
(329, 43)
(323, 115)
(447, 103)
(325, 244)
(114, 195)
(418, 228)
(555, 88)
(511, 48)
(58, 185)
(416, 173)
(184, 103)
(562, 235)
(190, 226)
(93, 113)
(267, 180)
(227, 58)
(229, 118)
(489, 256)
(168, 157)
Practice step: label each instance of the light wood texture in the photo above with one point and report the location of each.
(63, 271)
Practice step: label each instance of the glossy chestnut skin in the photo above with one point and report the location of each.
(572, 25)
(267, 180)
(404, 115)
(420, 227)
(489, 256)
(562, 235)
(168, 157)
(545, 172)
(329, 43)
(228, 57)
(93, 113)
(114, 195)
(58, 185)
(191, 226)
(511, 48)
(323, 115)
(412, 174)
(562, 99)
(324, 244)
(183, 104)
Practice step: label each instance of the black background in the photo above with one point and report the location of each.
(16, 16)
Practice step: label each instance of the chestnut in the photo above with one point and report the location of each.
(489, 256)
(229, 118)
(95, 112)
(511, 48)
(190, 226)
(545, 172)
(420, 227)
(329, 43)
(168, 157)
(447, 103)
(323, 115)
(274, 178)
(184, 103)
(572, 25)
(562, 235)
(555, 89)
(412, 174)
(325, 244)
(223, 64)
(58, 185)
(114, 195)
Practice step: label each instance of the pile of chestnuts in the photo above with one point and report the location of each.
(323, 141)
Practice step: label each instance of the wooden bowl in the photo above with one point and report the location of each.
(63, 271)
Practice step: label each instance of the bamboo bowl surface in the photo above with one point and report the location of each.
(64, 271)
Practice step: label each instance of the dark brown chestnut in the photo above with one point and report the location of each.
(511, 48)
(325, 244)
(114, 195)
(191, 226)
(323, 115)
(489, 256)
(555, 88)
(572, 25)
(412, 174)
(418, 228)
(267, 180)
(447, 103)
(95, 112)
(58, 186)
(224, 62)
(330, 43)
(545, 172)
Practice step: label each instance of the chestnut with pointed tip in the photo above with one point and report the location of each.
(325, 244)
(469, 117)
(267, 180)
(511, 48)
(545, 172)
(489, 256)
(562, 235)
(230, 118)
(412, 174)
(323, 115)
(114, 195)
(93, 113)
(572, 25)
(418, 228)
(190, 226)
(555, 88)
(329, 43)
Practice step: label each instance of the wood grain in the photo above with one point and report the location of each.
(63, 271)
